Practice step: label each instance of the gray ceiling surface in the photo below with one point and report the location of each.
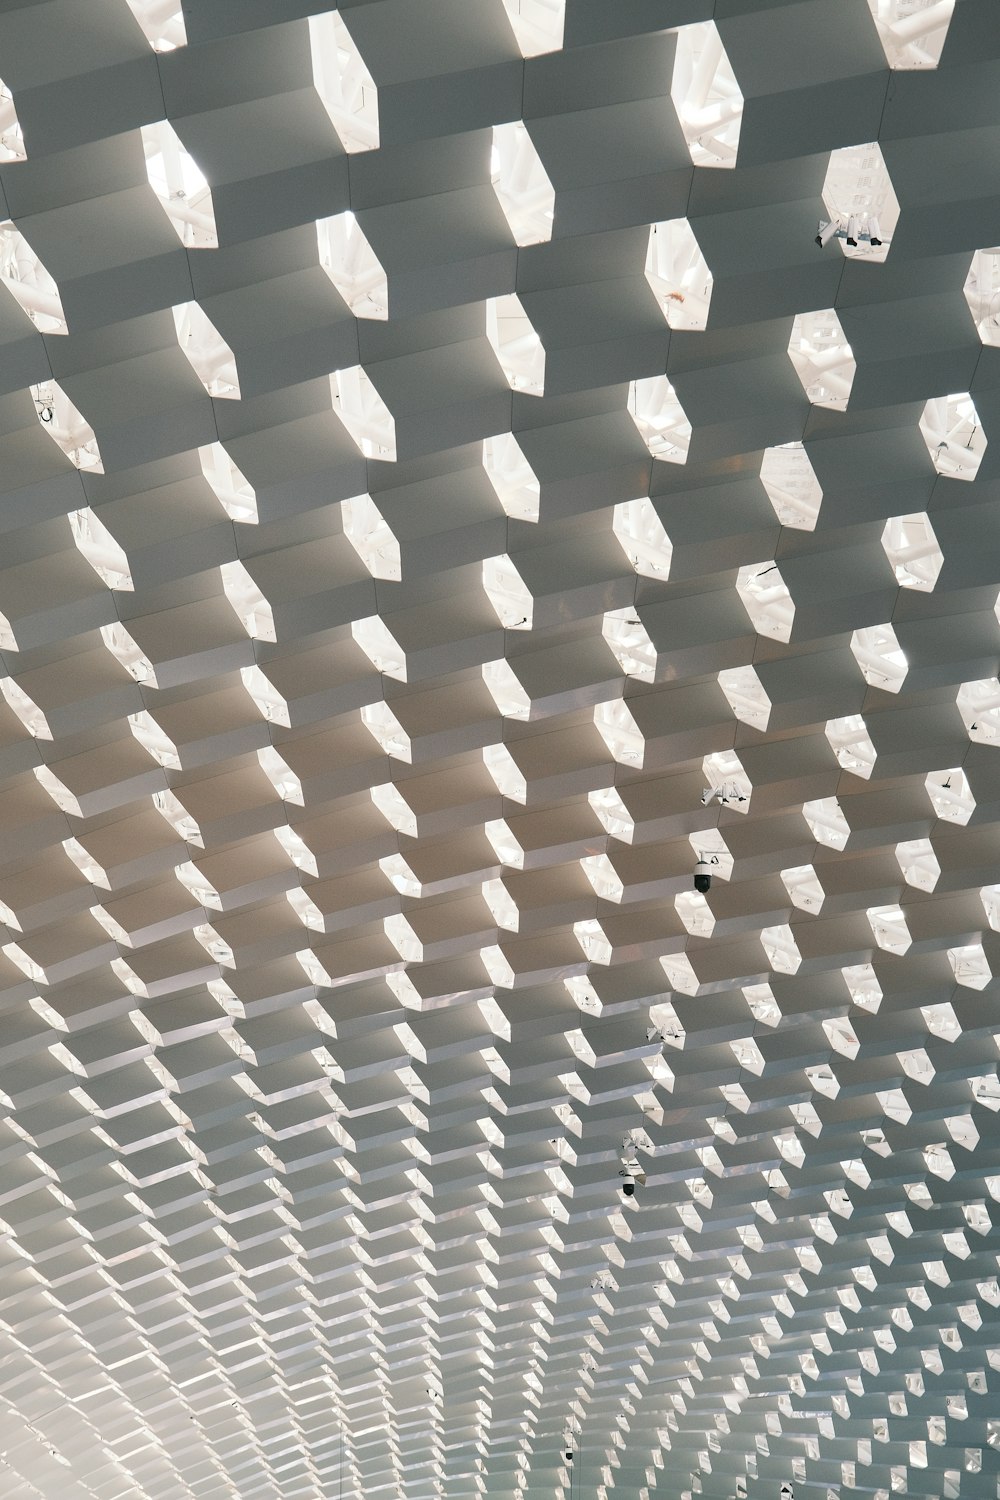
(446, 491)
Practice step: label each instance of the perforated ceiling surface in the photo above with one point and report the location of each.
(446, 491)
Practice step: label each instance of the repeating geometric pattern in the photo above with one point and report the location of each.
(446, 492)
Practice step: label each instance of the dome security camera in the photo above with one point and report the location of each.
(628, 1184)
(567, 1455)
(703, 876)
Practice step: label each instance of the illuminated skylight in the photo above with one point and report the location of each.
(982, 292)
(516, 345)
(96, 543)
(521, 184)
(66, 426)
(706, 96)
(206, 351)
(343, 82)
(11, 138)
(912, 548)
(880, 657)
(912, 32)
(655, 409)
(511, 476)
(791, 485)
(823, 359)
(363, 412)
(678, 273)
(180, 186)
(24, 276)
(954, 435)
(233, 491)
(765, 597)
(538, 24)
(859, 199)
(162, 22)
(352, 265)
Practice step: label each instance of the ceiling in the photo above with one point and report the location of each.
(446, 493)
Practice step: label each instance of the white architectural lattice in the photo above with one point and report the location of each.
(440, 506)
